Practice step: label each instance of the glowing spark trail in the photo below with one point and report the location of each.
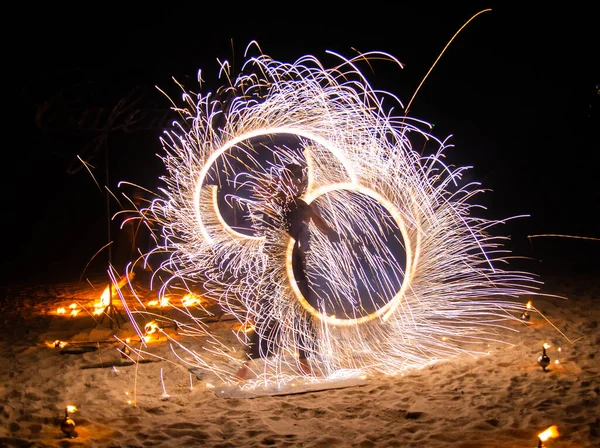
(413, 276)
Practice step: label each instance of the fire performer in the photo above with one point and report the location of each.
(296, 215)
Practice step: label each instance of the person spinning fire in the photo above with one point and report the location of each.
(296, 215)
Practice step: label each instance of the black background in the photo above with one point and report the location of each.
(517, 90)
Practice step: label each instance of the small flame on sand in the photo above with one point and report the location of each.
(550, 433)
(164, 301)
(190, 299)
(71, 408)
(529, 305)
(547, 346)
(151, 327)
(110, 291)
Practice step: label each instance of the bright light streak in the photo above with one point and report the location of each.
(384, 311)
(162, 382)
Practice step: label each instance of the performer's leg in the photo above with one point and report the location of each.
(299, 268)
(306, 339)
(252, 352)
(260, 344)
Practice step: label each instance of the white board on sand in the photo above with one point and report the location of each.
(300, 386)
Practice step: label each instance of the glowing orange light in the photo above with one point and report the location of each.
(151, 327)
(60, 311)
(245, 328)
(164, 301)
(104, 299)
(108, 292)
(190, 299)
(74, 312)
(70, 408)
(547, 346)
(551, 432)
(529, 305)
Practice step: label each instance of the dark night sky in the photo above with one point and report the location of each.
(517, 89)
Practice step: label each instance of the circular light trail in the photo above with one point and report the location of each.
(447, 293)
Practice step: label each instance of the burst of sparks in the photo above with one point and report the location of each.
(414, 276)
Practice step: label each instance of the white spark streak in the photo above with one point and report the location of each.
(162, 383)
(413, 278)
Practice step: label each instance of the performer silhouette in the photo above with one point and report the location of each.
(296, 216)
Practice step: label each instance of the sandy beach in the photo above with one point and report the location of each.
(502, 400)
